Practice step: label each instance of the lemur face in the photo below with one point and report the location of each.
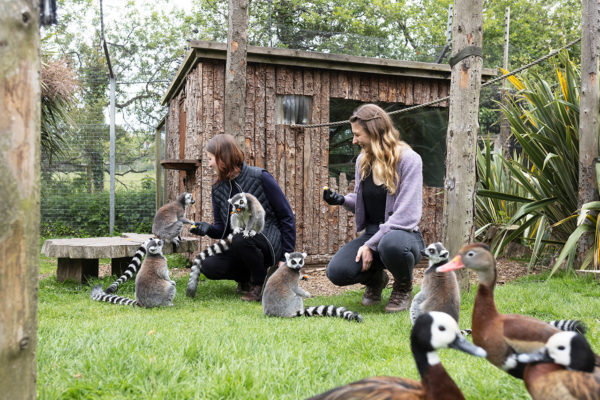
(155, 246)
(295, 260)
(239, 203)
(436, 252)
(189, 199)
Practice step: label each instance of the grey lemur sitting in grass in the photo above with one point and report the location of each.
(168, 224)
(439, 290)
(283, 297)
(247, 218)
(153, 286)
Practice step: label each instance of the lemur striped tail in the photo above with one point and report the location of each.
(213, 249)
(330, 311)
(573, 325)
(131, 270)
(99, 295)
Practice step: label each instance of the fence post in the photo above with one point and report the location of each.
(19, 196)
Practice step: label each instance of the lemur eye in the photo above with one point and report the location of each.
(430, 251)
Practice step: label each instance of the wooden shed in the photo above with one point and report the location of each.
(285, 86)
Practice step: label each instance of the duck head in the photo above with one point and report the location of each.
(477, 257)
(569, 349)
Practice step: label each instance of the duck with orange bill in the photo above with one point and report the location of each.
(503, 336)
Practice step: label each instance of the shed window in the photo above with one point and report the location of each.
(294, 109)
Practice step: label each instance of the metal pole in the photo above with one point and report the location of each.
(504, 124)
(111, 217)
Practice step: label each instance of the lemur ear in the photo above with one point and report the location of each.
(304, 255)
(287, 256)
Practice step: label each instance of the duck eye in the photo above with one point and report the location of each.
(470, 254)
(561, 347)
(442, 328)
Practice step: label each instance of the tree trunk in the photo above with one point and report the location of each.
(463, 127)
(588, 112)
(19, 196)
(235, 70)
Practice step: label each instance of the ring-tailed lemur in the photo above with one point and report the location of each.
(170, 218)
(153, 286)
(439, 290)
(283, 297)
(168, 224)
(247, 218)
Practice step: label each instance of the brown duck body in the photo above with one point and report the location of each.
(501, 335)
(548, 381)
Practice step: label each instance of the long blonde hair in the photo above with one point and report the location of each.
(382, 155)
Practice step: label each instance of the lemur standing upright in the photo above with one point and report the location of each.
(247, 218)
(282, 297)
(439, 290)
(168, 224)
(153, 286)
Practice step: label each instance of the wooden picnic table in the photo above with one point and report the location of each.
(78, 258)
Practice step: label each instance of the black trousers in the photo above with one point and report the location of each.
(246, 260)
(398, 251)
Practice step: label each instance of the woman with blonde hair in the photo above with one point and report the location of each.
(387, 205)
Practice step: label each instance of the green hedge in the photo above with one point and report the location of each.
(87, 214)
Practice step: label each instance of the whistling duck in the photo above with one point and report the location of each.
(563, 369)
(439, 290)
(501, 335)
(432, 331)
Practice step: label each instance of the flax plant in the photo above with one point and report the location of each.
(544, 119)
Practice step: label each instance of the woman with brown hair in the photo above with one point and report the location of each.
(387, 205)
(247, 259)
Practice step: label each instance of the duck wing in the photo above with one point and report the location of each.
(376, 388)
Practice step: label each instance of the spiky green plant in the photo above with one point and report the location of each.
(544, 119)
(494, 177)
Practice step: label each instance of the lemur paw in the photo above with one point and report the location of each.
(247, 234)
(236, 231)
(307, 294)
(252, 233)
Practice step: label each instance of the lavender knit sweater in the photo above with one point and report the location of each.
(403, 209)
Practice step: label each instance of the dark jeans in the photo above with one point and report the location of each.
(398, 251)
(246, 260)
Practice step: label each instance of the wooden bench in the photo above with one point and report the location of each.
(78, 258)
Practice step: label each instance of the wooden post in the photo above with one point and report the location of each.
(19, 195)
(588, 115)
(504, 124)
(463, 127)
(235, 70)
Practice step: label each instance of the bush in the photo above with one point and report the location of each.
(87, 214)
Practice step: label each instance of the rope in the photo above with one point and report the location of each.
(488, 83)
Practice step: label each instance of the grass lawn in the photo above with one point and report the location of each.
(217, 347)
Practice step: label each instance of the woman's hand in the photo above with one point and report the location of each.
(332, 198)
(366, 254)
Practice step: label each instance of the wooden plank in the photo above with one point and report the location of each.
(333, 220)
(342, 217)
(383, 88)
(219, 98)
(401, 91)
(355, 86)
(409, 93)
(374, 91)
(392, 89)
(207, 122)
(298, 83)
(343, 85)
(249, 116)
(322, 163)
(270, 119)
(78, 269)
(260, 116)
(417, 91)
(444, 91)
(365, 88)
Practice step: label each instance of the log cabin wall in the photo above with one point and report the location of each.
(297, 158)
